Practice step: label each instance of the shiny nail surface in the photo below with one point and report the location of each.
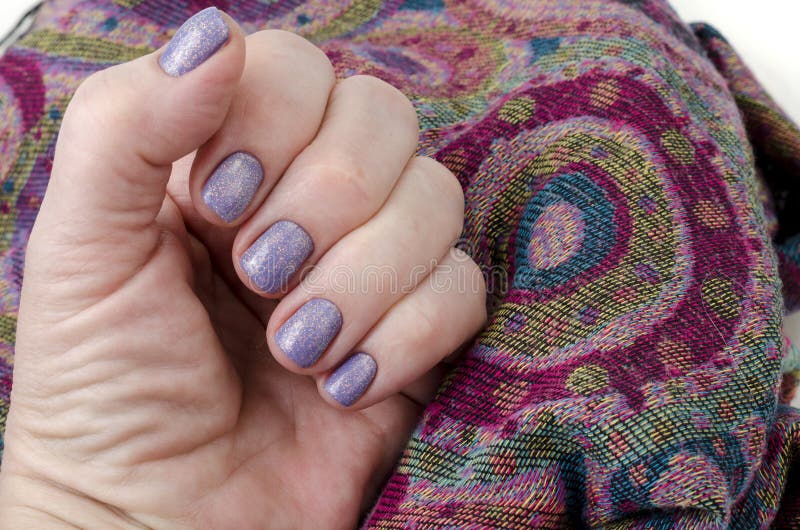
(306, 334)
(351, 379)
(194, 42)
(230, 189)
(275, 256)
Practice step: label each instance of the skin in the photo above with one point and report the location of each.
(148, 389)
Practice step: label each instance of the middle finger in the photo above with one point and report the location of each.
(338, 182)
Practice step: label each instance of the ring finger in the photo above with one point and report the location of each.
(369, 270)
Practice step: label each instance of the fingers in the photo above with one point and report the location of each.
(338, 182)
(275, 114)
(122, 131)
(369, 270)
(421, 330)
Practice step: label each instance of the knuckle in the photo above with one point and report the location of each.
(470, 283)
(95, 106)
(449, 196)
(293, 47)
(477, 282)
(91, 92)
(88, 88)
(384, 95)
(446, 182)
(345, 177)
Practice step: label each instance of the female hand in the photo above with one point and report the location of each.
(175, 366)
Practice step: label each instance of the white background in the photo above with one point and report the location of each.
(765, 33)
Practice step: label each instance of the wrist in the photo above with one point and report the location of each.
(27, 502)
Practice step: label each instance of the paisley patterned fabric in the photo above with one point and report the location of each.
(629, 192)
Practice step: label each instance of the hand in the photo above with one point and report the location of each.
(145, 392)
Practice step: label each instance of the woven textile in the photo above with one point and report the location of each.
(630, 192)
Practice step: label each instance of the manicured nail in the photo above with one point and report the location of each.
(276, 256)
(306, 334)
(229, 190)
(194, 42)
(351, 379)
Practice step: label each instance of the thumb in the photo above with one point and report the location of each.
(122, 131)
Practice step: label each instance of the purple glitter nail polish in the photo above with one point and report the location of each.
(306, 334)
(275, 256)
(194, 42)
(229, 190)
(351, 379)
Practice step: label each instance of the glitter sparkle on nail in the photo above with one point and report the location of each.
(348, 382)
(232, 186)
(276, 256)
(305, 336)
(194, 42)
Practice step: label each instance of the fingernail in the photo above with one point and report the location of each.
(306, 334)
(194, 42)
(276, 256)
(351, 379)
(229, 190)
